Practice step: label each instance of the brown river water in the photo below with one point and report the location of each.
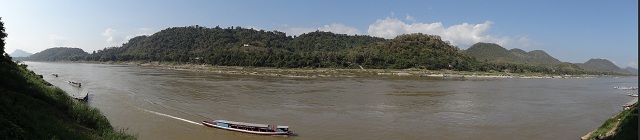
(170, 104)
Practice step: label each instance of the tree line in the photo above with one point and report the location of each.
(237, 46)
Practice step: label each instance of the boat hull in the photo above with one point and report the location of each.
(75, 84)
(212, 124)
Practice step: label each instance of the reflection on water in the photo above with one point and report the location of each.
(163, 104)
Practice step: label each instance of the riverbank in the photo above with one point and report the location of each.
(333, 72)
(30, 109)
(622, 126)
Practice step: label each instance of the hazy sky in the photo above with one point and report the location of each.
(570, 30)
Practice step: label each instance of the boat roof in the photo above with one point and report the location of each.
(248, 124)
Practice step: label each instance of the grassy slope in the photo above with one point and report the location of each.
(625, 125)
(31, 110)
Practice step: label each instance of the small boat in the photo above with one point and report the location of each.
(626, 88)
(632, 95)
(77, 84)
(630, 104)
(55, 75)
(83, 99)
(252, 128)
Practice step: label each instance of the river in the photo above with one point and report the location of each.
(169, 104)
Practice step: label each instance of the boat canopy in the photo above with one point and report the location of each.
(248, 124)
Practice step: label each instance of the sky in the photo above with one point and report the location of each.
(569, 30)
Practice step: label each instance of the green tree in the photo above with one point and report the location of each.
(3, 35)
(6, 59)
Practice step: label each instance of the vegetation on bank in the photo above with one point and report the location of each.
(30, 109)
(623, 126)
(237, 46)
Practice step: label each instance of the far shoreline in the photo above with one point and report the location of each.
(337, 72)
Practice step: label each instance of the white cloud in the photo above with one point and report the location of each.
(410, 18)
(144, 30)
(129, 37)
(337, 28)
(280, 25)
(298, 30)
(464, 34)
(114, 37)
(109, 34)
(340, 29)
(254, 28)
(58, 41)
(524, 42)
(138, 32)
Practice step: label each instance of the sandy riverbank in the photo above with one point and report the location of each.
(333, 72)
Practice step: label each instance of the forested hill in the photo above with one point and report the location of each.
(237, 47)
(603, 65)
(412, 50)
(247, 47)
(490, 52)
(327, 41)
(59, 54)
(495, 53)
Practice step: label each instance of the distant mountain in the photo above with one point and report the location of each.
(541, 57)
(631, 70)
(495, 53)
(20, 53)
(519, 53)
(59, 54)
(602, 65)
(491, 52)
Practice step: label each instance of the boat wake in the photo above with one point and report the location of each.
(174, 117)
